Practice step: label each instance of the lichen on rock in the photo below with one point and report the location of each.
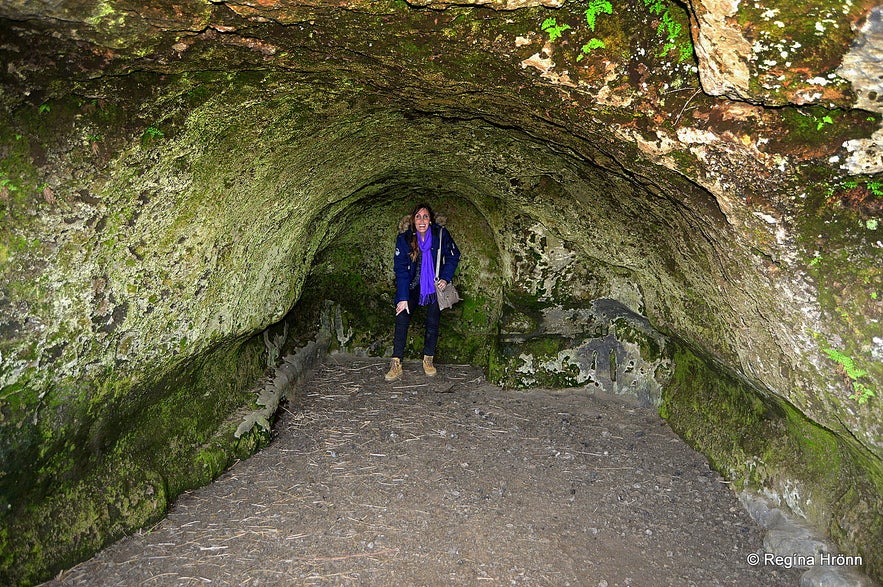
(173, 188)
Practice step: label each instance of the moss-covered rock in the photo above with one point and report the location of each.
(176, 179)
(765, 444)
(108, 462)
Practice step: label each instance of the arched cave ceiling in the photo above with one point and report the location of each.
(244, 83)
(171, 169)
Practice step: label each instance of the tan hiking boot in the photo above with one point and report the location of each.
(428, 368)
(395, 369)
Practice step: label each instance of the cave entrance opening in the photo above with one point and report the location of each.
(536, 309)
(352, 270)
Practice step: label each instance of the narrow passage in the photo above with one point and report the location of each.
(450, 481)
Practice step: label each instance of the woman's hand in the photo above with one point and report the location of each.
(441, 284)
(402, 307)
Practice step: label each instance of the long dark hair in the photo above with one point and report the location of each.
(413, 241)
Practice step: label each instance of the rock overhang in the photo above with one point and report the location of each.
(246, 172)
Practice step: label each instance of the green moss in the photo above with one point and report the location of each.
(20, 188)
(83, 516)
(650, 348)
(517, 362)
(686, 161)
(842, 258)
(684, 404)
(819, 450)
(6, 557)
(815, 39)
(808, 125)
(104, 457)
(762, 443)
(544, 347)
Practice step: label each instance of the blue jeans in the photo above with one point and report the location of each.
(403, 320)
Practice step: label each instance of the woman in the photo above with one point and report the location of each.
(416, 282)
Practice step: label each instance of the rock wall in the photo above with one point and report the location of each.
(174, 180)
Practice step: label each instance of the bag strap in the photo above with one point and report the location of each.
(441, 233)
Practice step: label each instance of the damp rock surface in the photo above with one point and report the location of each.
(175, 178)
(451, 481)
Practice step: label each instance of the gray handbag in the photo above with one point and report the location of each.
(448, 296)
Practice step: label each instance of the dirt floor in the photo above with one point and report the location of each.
(450, 481)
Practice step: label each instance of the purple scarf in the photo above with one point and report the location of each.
(427, 269)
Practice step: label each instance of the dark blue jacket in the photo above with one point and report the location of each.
(406, 269)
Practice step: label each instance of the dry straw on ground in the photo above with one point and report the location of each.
(450, 481)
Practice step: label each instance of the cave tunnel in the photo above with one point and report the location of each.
(516, 269)
(181, 186)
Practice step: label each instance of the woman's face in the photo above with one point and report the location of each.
(421, 221)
